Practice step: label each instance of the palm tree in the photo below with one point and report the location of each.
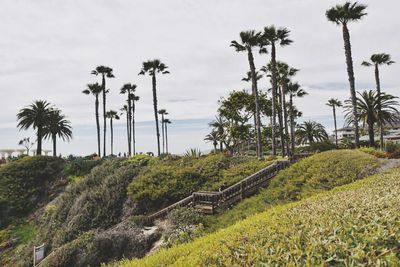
(57, 126)
(376, 61)
(334, 103)
(284, 75)
(134, 98)
(166, 122)
(152, 67)
(294, 90)
(342, 15)
(112, 115)
(163, 112)
(248, 40)
(36, 116)
(219, 127)
(213, 138)
(311, 131)
(95, 89)
(272, 37)
(125, 110)
(129, 89)
(104, 72)
(367, 110)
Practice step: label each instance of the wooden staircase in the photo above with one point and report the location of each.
(207, 202)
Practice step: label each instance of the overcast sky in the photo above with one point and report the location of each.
(48, 49)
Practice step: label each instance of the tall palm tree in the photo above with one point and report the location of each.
(105, 72)
(219, 127)
(367, 110)
(376, 61)
(95, 89)
(273, 37)
(163, 112)
(36, 116)
(134, 98)
(112, 115)
(342, 15)
(249, 40)
(285, 73)
(125, 110)
(57, 126)
(294, 90)
(152, 67)
(129, 89)
(166, 122)
(334, 103)
(213, 138)
(311, 131)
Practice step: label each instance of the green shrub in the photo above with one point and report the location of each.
(355, 225)
(25, 183)
(373, 151)
(316, 147)
(80, 166)
(392, 147)
(394, 154)
(317, 173)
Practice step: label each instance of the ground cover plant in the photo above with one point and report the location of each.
(352, 225)
(317, 173)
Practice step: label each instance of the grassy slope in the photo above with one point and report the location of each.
(353, 224)
(318, 173)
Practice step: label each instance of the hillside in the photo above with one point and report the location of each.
(350, 225)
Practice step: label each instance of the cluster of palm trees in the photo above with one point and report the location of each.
(47, 121)
(150, 67)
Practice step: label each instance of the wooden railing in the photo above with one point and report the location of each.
(209, 201)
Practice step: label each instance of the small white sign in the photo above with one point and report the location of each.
(38, 254)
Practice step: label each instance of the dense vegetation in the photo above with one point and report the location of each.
(318, 173)
(26, 183)
(168, 181)
(356, 224)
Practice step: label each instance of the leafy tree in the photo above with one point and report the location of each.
(311, 131)
(294, 90)
(95, 89)
(342, 15)
(367, 110)
(219, 126)
(163, 112)
(376, 61)
(273, 36)
(57, 126)
(152, 67)
(36, 116)
(112, 115)
(249, 40)
(26, 142)
(105, 72)
(334, 103)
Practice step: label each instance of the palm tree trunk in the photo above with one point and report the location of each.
(133, 128)
(334, 120)
(280, 119)
(166, 138)
(39, 141)
(291, 124)
(163, 133)
(103, 85)
(371, 134)
(257, 102)
(274, 90)
(96, 107)
(127, 132)
(378, 90)
(285, 118)
(350, 72)
(54, 137)
(112, 136)
(155, 112)
(129, 125)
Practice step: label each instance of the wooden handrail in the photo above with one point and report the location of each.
(215, 199)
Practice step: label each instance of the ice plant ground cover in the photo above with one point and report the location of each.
(352, 225)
